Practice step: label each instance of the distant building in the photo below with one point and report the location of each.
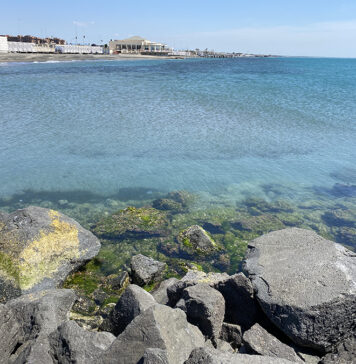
(80, 49)
(4, 47)
(34, 40)
(137, 45)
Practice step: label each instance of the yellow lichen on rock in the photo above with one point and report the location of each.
(43, 256)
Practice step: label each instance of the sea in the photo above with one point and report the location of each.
(225, 129)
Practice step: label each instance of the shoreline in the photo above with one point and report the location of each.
(38, 57)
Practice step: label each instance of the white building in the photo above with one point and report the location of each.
(137, 45)
(80, 49)
(4, 47)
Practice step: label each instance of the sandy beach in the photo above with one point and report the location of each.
(38, 57)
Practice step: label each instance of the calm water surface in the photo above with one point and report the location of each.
(228, 127)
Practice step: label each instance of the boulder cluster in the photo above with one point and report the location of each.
(294, 303)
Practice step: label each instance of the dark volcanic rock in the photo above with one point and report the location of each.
(241, 307)
(306, 285)
(160, 294)
(73, 344)
(205, 308)
(259, 341)
(158, 327)
(40, 314)
(212, 356)
(132, 302)
(232, 334)
(39, 248)
(145, 270)
(10, 333)
(344, 353)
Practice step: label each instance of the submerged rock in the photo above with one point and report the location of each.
(195, 240)
(132, 222)
(145, 270)
(39, 248)
(259, 341)
(205, 308)
(158, 327)
(306, 285)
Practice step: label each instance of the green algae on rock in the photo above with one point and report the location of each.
(39, 248)
(195, 240)
(133, 222)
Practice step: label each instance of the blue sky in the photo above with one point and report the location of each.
(287, 27)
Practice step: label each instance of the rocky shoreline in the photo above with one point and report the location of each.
(294, 302)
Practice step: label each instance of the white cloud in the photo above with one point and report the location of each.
(318, 39)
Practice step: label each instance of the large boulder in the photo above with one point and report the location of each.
(158, 327)
(70, 343)
(10, 333)
(259, 341)
(205, 308)
(40, 314)
(306, 285)
(132, 303)
(145, 270)
(206, 355)
(39, 248)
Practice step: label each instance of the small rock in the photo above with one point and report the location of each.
(132, 302)
(118, 281)
(84, 306)
(259, 341)
(160, 294)
(99, 296)
(205, 308)
(232, 334)
(145, 270)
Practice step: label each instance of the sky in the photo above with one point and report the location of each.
(282, 27)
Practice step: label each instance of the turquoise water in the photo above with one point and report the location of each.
(228, 127)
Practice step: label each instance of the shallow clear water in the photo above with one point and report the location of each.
(230, 126)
